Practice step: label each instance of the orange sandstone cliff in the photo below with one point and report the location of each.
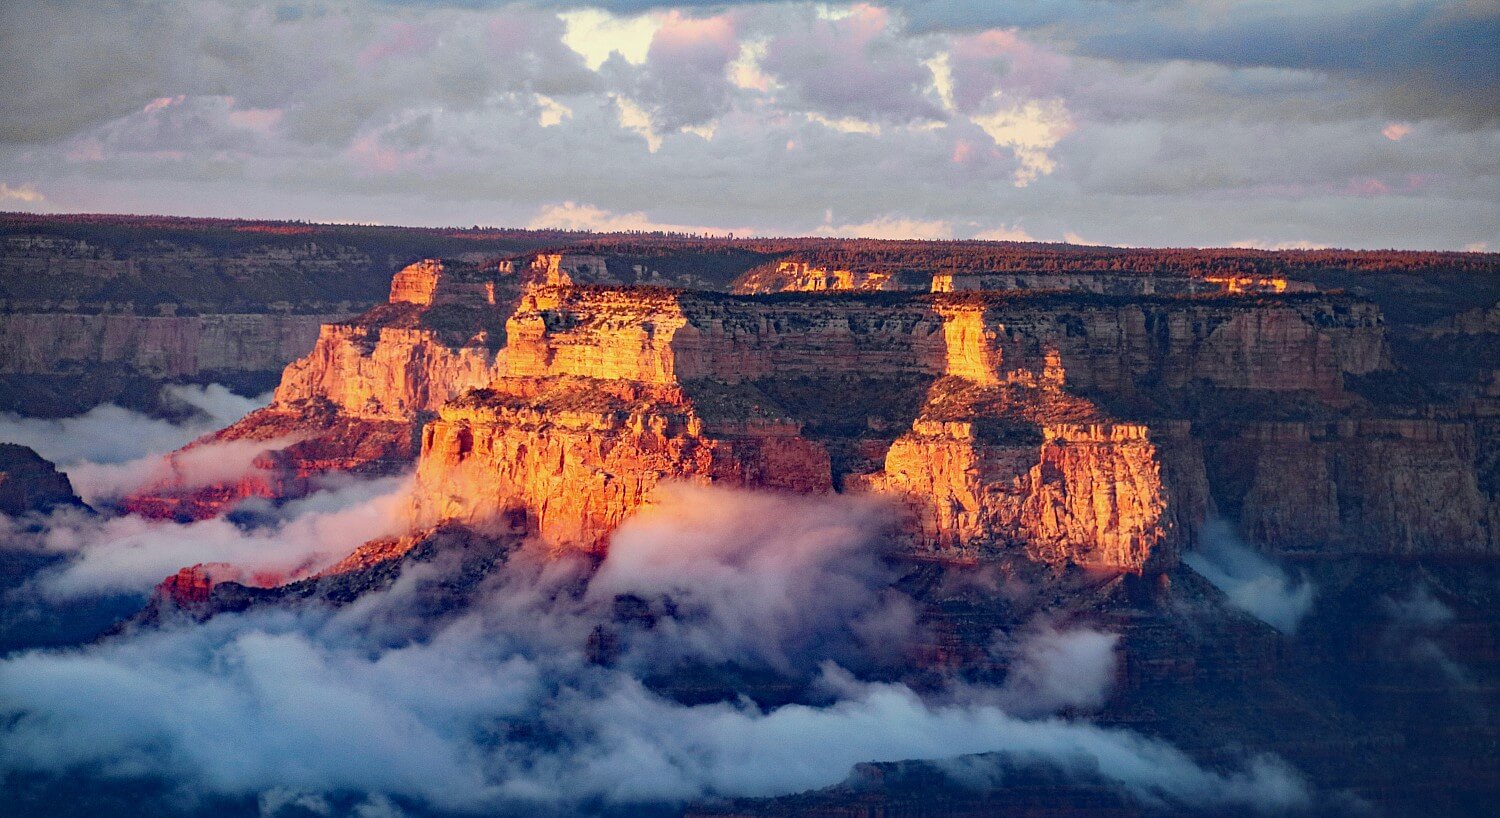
(1068, 427)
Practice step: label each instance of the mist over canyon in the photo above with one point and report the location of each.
(550, 523)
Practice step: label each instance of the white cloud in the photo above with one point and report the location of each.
(1004, 233)
(1030, 130)
(553, 112)
(111, 434)
(131, 554)
(1266, 244)
(1071, 237)
(576, 216)
(942, 78)
(26, 194)
(745, 71)
(845, 124)
(1477, 247)
(597, 34)
(634, 118)
(891, 227)
(496, 708)
(1250, 581)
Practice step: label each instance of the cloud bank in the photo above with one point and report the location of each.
(1173, 124)
(498, 706)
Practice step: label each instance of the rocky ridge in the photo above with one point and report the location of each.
(1078, 428)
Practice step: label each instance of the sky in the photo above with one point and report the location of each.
(1267, 123)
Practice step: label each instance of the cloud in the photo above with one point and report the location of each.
(575, 216)
(553, 112)
(497, 708)
(1250, 582)
(111, 434)
(1416, 620)
(354, 112)
(1053, 669)
(1029, 130)
(634, 118)
(597, 34)
(890, 227)
(109, 451)
(1266, 244)
(203, 465)
(853, 65)
(1396, 131)
(24, 194)
(761, 578)
(1004, 233)
(130, 554)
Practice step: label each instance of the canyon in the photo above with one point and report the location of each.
(1058, 440)
(1086, 429)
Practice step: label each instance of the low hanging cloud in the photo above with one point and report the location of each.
(109, 434)
(130, 554)
(108, 451)
(498, 708)
(1250, 582)
(1055, 669)
(1415, 621)
(761, 578)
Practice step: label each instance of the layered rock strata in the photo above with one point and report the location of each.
(1072, 428)
(994, 448)
(356, 402)
(1121, 284)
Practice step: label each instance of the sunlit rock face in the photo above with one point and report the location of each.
(978, 422)
(802, 276)
(1071, 428)
(356, 402)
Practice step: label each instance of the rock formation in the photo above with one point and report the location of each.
(30, 483)
(1074, 428)
(356, 402)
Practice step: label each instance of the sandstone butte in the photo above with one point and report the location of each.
(1086, 424)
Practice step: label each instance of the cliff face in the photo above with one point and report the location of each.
(571, 458)
(356, 402)
(982, 428)
(1122, 284)
(1371, 487)
(802, 276)
(30, 483)
(155, 346)
(1071, 428)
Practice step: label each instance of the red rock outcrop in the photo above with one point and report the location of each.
(802, 276)
(355, 404)
(1070, 427)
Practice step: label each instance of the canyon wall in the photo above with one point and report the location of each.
(356, 402)
(1069, 428)
(999, 450)
(1121, 284)
(155, 346)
